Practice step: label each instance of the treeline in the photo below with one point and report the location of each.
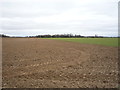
(64, 36)
(59, 36)
(2, 35)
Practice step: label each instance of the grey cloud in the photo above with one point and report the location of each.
(64, 16)
(34, 9)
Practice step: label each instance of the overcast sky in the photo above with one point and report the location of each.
(34, 17)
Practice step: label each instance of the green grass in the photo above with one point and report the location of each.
(99, 41)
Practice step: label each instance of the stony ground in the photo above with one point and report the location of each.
(42, 63)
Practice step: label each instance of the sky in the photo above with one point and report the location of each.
(39, 17)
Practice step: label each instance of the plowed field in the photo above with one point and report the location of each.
(43, 63)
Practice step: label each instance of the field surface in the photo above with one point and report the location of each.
(46, 63)
(98, 41)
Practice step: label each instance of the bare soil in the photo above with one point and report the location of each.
(42, 63)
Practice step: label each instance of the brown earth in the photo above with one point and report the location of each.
(42, 63)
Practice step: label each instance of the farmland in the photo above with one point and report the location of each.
(99, 41)
(51, 63)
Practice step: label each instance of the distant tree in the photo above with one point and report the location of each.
(2, 35)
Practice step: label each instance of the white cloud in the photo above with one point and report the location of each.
(86, 17)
